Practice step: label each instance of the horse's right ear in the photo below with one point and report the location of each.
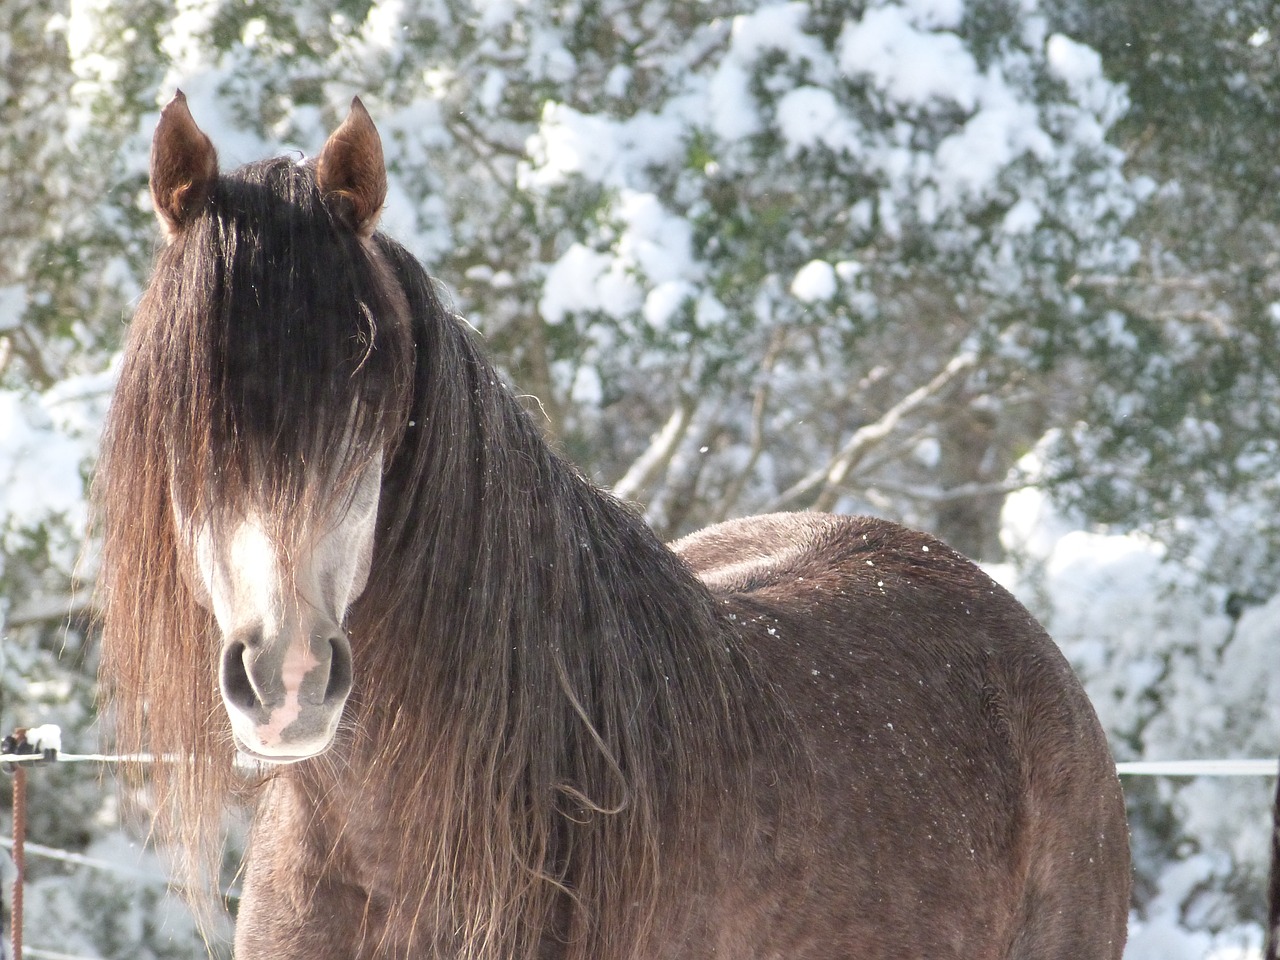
(184, 166)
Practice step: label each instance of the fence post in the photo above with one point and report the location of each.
(19, 856)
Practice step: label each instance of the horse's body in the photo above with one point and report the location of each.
(798, 736)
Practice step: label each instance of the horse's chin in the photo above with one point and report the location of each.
(275, 756)
(290, 739)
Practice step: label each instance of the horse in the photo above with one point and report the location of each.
(495, 717)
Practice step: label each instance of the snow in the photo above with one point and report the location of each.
(774, 27)
(495, 14)
(654, 241)
(1002, 130)
(13, 300)
(911, 65)
(914, 60)
(584, 280)
(665, 300)
(587, 389)
(730, 107)
(732, 116)
(47, 736)
(612, 152)
(1074, 63)
(709, 312)
(1022, 217)
(652, 249)
(1080, 68)
(1172, 675)
(1163, 936)
(44, 449)
(942, 14)
(815, 281)
(384, 25)
(808, 116)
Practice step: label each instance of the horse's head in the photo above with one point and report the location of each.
(280, 602)
(275, 350)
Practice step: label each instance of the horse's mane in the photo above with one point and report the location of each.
(544, 685)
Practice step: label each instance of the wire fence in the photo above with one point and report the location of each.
(1138, 768)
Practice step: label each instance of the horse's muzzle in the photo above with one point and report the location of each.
(285, 694)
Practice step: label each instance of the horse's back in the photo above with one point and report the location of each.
(964, 800)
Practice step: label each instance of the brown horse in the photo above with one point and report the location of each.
(505, 722)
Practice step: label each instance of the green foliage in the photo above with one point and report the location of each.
(1181, 408)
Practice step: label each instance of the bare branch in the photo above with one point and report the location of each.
(759, 406)
(963, 491)
(662, 447)
(1112, 282)
(828, 479)
(50, 609)
(26, 346)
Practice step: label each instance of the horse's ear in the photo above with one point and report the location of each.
(351, 172)
(184, 166)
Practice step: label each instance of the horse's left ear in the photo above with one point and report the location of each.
(351, 172)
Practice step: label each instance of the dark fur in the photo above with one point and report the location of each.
(798, 736)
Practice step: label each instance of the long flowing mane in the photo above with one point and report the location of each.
(537, 677)
(566, 677)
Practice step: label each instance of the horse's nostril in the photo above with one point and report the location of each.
(339, 670)
(237, 688)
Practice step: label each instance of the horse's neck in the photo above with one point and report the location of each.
(534, 666)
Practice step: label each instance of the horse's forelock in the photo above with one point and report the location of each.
(282, 342)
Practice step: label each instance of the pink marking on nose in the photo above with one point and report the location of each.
(298, 662)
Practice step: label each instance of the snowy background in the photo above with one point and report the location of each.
(1000, 271)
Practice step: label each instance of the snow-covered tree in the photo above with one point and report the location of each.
(846, 254)
(1183, 421)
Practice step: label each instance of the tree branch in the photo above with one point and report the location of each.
(828, 479)
(662, 447)
(963, 491)
(759, 406)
